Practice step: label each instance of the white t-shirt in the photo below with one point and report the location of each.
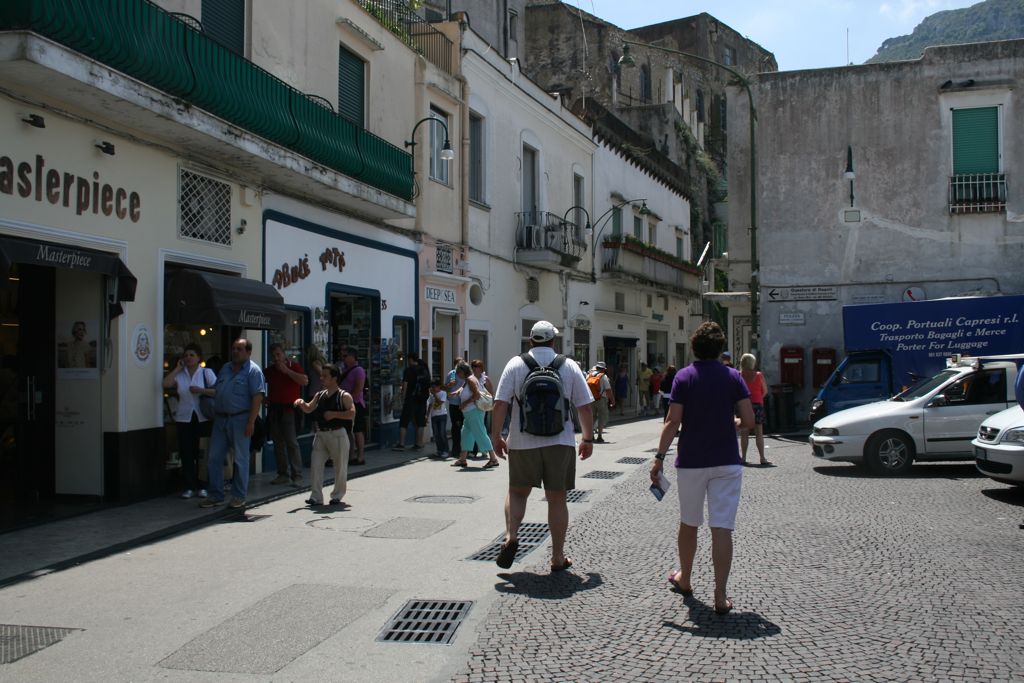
(574, 384)
(437, 404)
(187, 401)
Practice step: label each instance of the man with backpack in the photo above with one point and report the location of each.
(541, 448)
(601, 389)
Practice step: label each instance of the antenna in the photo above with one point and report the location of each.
(703, 254)
(847, 45)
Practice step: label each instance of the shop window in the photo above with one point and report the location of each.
(204, 208)
(213, 340)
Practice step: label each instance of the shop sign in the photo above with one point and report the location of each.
(288, 274)
(439, 294)
(32, 180)
(791, 318)
(657, 316)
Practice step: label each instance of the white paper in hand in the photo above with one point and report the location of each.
(661, 488)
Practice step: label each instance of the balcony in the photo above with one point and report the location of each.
(173, 55)
(977, 193)
(633, 260)
(544, 238)
(413, 30)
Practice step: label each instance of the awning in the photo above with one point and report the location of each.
(14, 250)
(195, 297)
(629, 342)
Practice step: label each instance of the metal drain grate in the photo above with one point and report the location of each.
(21, 641)
(576, 496)
(451, 500)
(601, 474)
(632, 460)
(531, 535)
(426, 621)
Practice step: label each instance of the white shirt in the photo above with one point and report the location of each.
(188, 402)
(574, 384)
(441, 398)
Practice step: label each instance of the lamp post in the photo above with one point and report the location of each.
(755, 275)
(595, 234)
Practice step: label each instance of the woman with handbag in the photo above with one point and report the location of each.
(474, 433)
(194, 385)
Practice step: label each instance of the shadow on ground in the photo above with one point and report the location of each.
(557, 586)
(1011, 495)
(918, 471)
(704, 622)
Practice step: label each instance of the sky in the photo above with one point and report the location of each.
(803, 34)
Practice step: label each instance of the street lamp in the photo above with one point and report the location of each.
(595, 234)
(755, 274)
(849, 174)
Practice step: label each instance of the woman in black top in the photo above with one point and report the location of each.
(333, 410)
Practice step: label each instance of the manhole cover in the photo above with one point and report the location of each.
(449, 500)
(426, 621)
(575, 496)
(531, 535)
(408, 527)
(21, 641)
(340, 523)
(601, 474)
(632, 460)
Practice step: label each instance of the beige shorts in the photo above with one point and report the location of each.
(554, 467)
(720, 486)
(601, 411)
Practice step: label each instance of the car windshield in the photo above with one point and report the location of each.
(926, 387)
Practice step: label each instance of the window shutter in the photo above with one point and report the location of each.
(617, 222)
(351, 86)
(224, 21)
(976, 140)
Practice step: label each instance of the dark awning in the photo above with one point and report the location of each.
(14, 250)
(621, 341)
(196, 297)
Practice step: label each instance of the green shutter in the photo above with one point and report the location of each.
(224, 21)
(617, 222)
(976, 140)
(351, 86)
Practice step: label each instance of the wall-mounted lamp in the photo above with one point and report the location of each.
(849, 174)
(34, 120)
(447, 153)
(242, 224)
(105, 147)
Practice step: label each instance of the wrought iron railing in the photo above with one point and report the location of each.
(543, 231)
(413, 30)
(172, 54)
(977, 193)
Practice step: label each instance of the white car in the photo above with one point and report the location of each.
(999, 448)
(935, 420)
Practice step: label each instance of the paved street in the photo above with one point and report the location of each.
(838, 576)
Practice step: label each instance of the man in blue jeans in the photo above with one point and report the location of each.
(240, 388)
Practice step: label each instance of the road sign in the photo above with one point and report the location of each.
(791, 318)
(814, 293)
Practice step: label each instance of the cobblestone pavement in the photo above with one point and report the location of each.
(837, 576)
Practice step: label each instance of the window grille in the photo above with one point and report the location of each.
(977, 193)
(532, 289)
(444, 259)
(204, 208)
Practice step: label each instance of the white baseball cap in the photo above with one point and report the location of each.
(543, 331)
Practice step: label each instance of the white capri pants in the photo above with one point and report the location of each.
(720, 485)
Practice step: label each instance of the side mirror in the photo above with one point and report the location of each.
(938, 402)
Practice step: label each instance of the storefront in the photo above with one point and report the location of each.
(346, 284)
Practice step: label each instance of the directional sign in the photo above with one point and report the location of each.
(815, 293)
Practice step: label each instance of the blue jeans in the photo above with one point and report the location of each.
(439, 425)
(228, 432)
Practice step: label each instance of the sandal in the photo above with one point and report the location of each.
(724, 609)
(459, 463)
(676, 588)
(507, 554)
(566, 563)
(489, 465)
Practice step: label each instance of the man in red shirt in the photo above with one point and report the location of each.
(285, 379)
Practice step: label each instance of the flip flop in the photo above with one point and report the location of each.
(726, 609)
(767, 463)
(489, 465)
(459, 464)
(507, 554)
(676, 588)
(566, 563)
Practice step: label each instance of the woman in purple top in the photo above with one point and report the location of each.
(706, 396)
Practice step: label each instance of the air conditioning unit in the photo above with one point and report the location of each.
(554, 239)
(533, 237)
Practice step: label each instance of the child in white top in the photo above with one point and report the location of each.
(437, 408)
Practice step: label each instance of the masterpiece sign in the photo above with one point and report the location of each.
(32, 180)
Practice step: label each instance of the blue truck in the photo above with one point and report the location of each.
(890, 347)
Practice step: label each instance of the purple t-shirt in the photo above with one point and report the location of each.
(708, 392)
(349, 383)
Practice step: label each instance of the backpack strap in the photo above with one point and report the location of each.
(531, 362)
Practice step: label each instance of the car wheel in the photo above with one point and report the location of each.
(889, 453)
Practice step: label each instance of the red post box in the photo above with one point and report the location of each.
(823, 362)
(791, 365)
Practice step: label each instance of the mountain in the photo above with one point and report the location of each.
(988, 20)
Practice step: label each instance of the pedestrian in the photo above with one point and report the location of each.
(438, 408)
(485, 383)
(622, 388)
(538, 459)
(315, 362)
(454, 384)
(643, 388)
(191, 381)
(705, 398)
(236, 402)
(333, 409)
(665, 390)
(601, 391)
(726, 359)
(655, 389)
(474, 434)
(285, 379)
(757, 387)
(415, 388)
(353, 381)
